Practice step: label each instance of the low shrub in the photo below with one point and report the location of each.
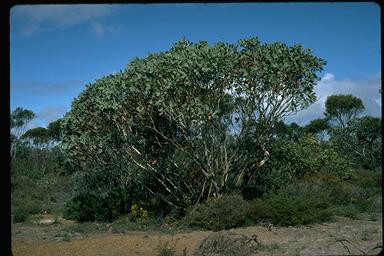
(307, 155)
(82, 208)
(349, 211)
(34, 207)
(360, 193)
(20, 215)
(318, 197)
(293, 159)
(129, 223)
(225, 212)
(138, 212)
(101, 207)
(370, 181)
(291, 210)
(296, 204)
(167, 249)
(85, 228)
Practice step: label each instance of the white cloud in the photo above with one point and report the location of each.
(328, 77)
(41, 18)
(367, 90)
(44, 88)
(51, 113)
(45, 116)
(101, 29)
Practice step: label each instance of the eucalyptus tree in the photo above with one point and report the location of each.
(196, 120)
(341, 109)
(54, 130)
(37, 136)
(360, 141)
(19, 120)
(318, 127)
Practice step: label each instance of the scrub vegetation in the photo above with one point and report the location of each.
(194, 138)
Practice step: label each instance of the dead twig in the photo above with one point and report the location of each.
(341, 240)
(345, 247)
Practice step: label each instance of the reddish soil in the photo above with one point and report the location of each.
(343, 237)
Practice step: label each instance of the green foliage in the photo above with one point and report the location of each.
(225, 212)
(308, 155)
(167, 249)
(18, 122)
(370, 181)
(318, 197)
(317, 127)
(38, 135)
(138, 212)
(294, 159)
(360, 141)
(289, 210)
(20, 117)
(55, 130)
(349, 211)
(359, 194)
(41, 136)
(341, 109)
(164, 126)
(287, 131)
(20, 215)
(85, 228)
(298, 204)
(99, 207)
(39, 194)
(36, 162)
(82, 208)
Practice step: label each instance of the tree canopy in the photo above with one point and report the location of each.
(317, 126)
(341, 109)
(19, 120)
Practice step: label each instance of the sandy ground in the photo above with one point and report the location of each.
(343, 237)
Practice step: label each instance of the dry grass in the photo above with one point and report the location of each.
(344, 237)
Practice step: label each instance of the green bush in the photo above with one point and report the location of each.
(82, 208)
(128, 223)
(85, 228)
(360, 141)
(100, 207)
(295, 204)
(293, 159)
(20, 215)
(361, 192)
(349, 211)
(259, 211)
(370, 181)
(316, 198)
(167, 249)
(290, 210)
(225, 212)
(264, 181)
(307, 155)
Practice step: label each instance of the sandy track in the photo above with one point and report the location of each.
(344, 237)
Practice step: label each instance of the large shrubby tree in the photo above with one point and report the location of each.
(188, 123)
(360, 141)
(357, 139)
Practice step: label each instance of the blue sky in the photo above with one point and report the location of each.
(56, 50)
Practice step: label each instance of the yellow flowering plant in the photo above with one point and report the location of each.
(138, 212)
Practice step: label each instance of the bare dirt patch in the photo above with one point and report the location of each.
(343, 237)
